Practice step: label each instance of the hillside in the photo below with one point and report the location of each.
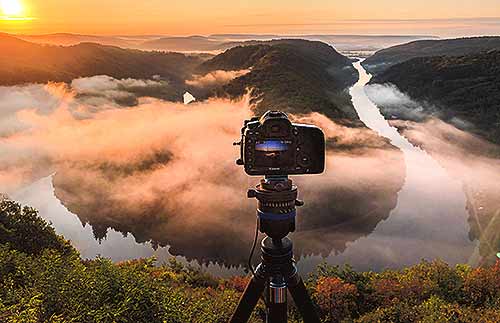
(463, 87)
(297, 76)
(388, 57)
(67, 39)
(25, 62)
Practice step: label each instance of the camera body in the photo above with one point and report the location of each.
(273, 145)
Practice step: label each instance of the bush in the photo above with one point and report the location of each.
(416, 284)
(482, 286)
(25, 231)
(336, 299)
(43, 279)
(432, 310)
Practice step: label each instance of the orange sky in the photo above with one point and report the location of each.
(257, 16)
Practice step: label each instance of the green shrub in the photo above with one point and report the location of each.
(433, 310)
(25, 231)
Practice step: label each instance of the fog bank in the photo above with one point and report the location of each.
(166, 173)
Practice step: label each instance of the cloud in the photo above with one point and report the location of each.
(342, 137)
(399, 105)
(215, 78)
(166, 172)
(99, 83)
(97, 90)
(41, 98)
(156, 147)
(154, 170)
(395, 103)
(82, 98)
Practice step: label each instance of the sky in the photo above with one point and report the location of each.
(188, 17)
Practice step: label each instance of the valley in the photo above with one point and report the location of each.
(367, 203)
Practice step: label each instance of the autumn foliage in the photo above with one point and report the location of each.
(335, 298)
(43, 279)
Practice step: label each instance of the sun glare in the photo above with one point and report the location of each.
(11, 8)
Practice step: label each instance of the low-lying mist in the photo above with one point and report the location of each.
(215, 78)
(474, 161)
(465, 156)
(398, 105)
(165, 171)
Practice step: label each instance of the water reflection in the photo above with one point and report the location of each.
(115, 245)
(345, 203)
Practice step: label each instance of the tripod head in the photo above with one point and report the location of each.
(277, 202)
(275, 147)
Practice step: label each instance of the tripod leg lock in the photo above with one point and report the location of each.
(277, 291)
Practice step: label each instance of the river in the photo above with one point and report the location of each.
(430, 220)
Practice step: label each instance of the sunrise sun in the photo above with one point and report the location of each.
(11, 8)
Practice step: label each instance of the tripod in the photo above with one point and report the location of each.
(277, 199)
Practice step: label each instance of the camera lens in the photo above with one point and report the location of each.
(275, 128)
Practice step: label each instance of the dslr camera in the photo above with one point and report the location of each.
(273, 145)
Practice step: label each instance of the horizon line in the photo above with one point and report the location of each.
(220, 35)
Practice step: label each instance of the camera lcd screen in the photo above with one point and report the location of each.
(273, 154)
(271, 146)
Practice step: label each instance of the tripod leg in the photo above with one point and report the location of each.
(302, 299)
(249, 299)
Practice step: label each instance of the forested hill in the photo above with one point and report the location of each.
(464, 87)
(388, 57)
(297, 76)
(26, 62)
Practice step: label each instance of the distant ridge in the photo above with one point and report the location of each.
(266, 36)
(67, 39)
(388, 57)
(465, 88)
(25, 62)
(189, 43)
(217, 42)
